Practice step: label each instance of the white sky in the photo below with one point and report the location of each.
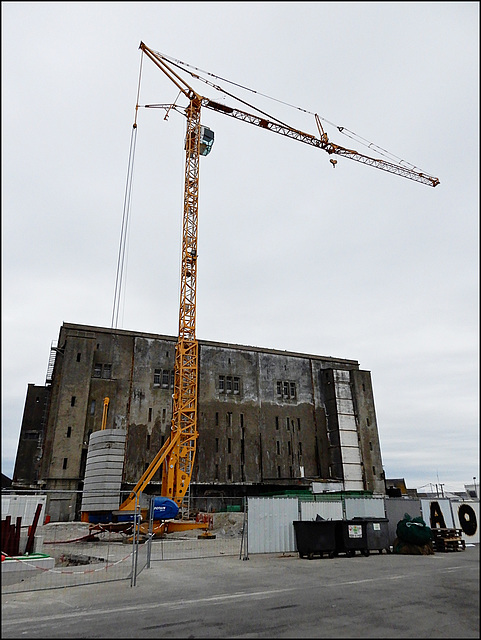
(351, 262)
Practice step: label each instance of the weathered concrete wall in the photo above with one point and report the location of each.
(264, 416)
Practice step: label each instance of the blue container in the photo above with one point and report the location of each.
(163, 508)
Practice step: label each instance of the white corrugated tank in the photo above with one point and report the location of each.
(103, 472)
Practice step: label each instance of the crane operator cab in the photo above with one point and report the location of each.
(206, 140)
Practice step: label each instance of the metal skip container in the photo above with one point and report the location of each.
(351, 536)
(315, 537)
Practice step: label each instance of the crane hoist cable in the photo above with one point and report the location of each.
(123, 243)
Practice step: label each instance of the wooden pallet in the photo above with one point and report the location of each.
(448, 540)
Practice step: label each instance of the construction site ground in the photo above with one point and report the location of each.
(265, 596)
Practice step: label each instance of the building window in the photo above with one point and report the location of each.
(288, 424)
(216, 472)
(30, 435)
(165, 378)
(229, 445)
(163, 415)
(217, 445)
(72, 401)
(216, 418)
(236, 385)
(277, 422)
(229, 472)
(279, 388)
(370, 446)
(242, 420)
(79, 355)
(374, 471)
(172, 378)
(221, 384)
(150, 414)
(65, 461)
(278, 444)
(298, 424)
(228, 384)
(69, 432)
(300, 448)
(367, 422)
(102, 371)
(292, 387)
(285, 390)
(148, 441)
(157, 377)
(278, 472)
(92, 407)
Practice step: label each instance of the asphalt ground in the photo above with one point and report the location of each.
(266, 596)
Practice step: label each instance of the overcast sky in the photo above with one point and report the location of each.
(296, 255)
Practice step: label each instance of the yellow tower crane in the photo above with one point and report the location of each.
(178, 453)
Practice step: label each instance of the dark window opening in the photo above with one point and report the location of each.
(69, 432)
(217, 445)
(374, 471)
(229, 445)
(278, 472)
(79, 355)
(72, 401)
(65, 461)
(228, 384)
(157, 376)
(216, 472)
(229, 472)
(277, 422)
(300, 448)
(150, 414)
(216, 418)
(278, 444)
(221, 384)
(298, 424)
(165, 378)
(148, 441)
(236, 385)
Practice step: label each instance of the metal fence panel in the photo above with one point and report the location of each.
(364, 507)
(270, 528)
(331, 510)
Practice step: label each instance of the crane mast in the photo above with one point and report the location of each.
(178, 452)
(179, 462)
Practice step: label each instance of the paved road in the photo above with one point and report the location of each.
(267, 596)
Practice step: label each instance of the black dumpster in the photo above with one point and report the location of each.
(315, 538)
(351, 536)
(377, 533)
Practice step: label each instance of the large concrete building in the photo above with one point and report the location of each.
(267, 419)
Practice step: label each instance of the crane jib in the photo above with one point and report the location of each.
(327, 146)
